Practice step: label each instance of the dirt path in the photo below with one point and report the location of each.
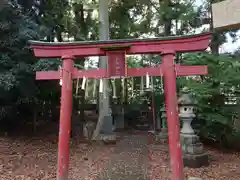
(129, 160)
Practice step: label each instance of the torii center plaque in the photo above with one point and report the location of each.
(226, 14)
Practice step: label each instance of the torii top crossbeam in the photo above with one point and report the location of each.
(178, 44)
(132, 46)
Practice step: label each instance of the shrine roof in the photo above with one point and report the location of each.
(118, 41)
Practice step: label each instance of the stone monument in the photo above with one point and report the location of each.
(193, 153)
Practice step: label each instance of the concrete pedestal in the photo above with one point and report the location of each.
(193, 153)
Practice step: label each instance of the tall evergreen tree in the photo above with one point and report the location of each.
(16, 59)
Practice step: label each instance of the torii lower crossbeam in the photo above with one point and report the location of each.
(181, 70)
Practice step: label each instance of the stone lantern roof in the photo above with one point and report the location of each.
(186, 98)
(163, 109)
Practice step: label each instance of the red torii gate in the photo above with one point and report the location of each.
(116, 50)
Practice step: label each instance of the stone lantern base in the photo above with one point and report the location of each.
(195, 160)
(193, 153)
(162, 137)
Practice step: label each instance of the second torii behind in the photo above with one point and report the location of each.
(117, 66)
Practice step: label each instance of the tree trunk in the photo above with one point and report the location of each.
(214, 46)
(35, 112)
(59, 35)
(103, 97)
(125, 91)
(168, 21)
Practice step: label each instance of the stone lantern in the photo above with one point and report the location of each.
(162, 137)
(193, 153)
(164, 119)
(186, 114)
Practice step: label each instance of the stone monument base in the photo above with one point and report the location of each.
(195, 160)
(108, 138)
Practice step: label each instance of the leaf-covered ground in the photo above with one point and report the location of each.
(223, 166)
(35, 159)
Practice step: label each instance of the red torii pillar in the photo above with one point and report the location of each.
(166, 47)
(65, 118)
(169, 75)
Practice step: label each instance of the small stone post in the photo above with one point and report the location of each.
(193, 153)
